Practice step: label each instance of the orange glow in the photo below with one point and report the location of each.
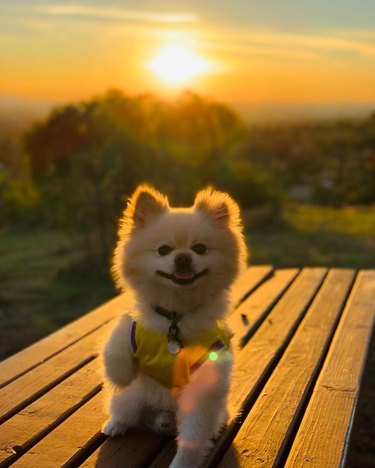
(161, 53)
(177, 64)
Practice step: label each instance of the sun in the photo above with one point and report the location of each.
(177, 64)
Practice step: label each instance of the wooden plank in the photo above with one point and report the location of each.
(250, 279)
(265, 431)
(30, 425)
(78, 436)
(255, 362)
(73, 433)
(253, 310)
(45, 349)
(325, 429)
(32, 385)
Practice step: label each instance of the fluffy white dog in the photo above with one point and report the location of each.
(169, 358)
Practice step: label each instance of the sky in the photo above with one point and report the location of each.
(285, 51)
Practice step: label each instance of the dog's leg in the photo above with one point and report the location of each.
(119, 366)
(198, 407)
(125, 410)
(221, 419)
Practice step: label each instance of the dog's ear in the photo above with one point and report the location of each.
(218, 206)
(144, 206)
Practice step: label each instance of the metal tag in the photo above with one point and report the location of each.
(174, 347)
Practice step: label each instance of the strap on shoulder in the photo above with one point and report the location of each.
(214, 348)
(132, 339)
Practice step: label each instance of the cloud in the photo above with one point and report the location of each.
(292, 45)
(114, 13)
(326, 41)
(252, 49)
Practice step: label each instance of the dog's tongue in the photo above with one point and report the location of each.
(184, 276)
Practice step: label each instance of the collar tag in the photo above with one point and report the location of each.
(174, 347)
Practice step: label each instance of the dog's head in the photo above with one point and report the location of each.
(193, 249)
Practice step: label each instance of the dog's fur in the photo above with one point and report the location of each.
(199, 408)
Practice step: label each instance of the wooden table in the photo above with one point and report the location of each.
(301, 339)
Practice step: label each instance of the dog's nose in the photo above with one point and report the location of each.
(183, 261)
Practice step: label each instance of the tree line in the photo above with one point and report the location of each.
(75, 168)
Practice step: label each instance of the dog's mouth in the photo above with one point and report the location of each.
(178, 277)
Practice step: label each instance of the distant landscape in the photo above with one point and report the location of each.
(16, 109)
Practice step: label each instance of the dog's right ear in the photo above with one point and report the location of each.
(144, 206)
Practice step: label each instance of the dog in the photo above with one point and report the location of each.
(168, 361)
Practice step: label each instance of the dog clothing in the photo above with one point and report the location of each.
(150, 350)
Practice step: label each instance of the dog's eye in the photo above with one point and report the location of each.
(164, 250)
(200, 249)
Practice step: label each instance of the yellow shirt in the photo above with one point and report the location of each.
(174, 370)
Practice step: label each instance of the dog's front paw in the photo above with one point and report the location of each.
(112, 427)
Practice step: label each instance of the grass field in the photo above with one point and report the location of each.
(312, 235)
(43, 285)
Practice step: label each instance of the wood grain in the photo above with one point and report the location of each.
(77, 436)
(58, 446)
(253, 310)
(260, 355)
(270, 421)
(249, 280)
(36, 354)
(325, 429)
(35, 421)
(33, 385)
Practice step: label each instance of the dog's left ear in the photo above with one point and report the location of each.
(219, 207)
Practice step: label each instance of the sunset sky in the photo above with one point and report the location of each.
(244, 50)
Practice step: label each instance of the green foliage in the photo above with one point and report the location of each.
(335, 160)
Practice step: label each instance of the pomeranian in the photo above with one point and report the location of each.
(168, 361)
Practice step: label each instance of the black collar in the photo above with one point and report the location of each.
(174, 317)
(171, 315)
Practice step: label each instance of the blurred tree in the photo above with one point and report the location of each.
(87, 157)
